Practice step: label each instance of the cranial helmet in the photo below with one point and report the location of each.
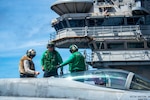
(50, 45)
(73, 48)
(31, 53)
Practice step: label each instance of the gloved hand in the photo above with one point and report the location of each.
(61, 72)
(58, 66)
(43, 68)
(36, 73)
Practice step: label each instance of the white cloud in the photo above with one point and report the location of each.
(33, 32)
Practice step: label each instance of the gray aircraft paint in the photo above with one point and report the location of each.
(61, 88)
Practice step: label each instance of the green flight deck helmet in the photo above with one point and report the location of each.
(73, 48)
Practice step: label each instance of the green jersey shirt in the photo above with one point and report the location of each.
(50, 60)
(76, 62)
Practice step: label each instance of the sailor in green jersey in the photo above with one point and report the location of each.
(76, 61)
(50, 59)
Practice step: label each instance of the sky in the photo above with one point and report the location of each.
(24, 24)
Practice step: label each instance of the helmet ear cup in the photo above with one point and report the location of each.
(28, 53)
(74, 47)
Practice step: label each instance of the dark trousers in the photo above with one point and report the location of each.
(26, 76)
(50, 73)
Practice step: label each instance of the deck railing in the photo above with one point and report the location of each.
(103, 32)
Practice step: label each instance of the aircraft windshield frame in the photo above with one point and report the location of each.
(117, 79)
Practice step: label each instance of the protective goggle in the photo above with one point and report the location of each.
(32, 56)
(50, 46)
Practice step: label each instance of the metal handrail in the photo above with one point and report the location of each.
(100, 32)
(52, 35)
(126, 55)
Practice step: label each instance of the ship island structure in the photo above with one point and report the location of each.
(116, 31)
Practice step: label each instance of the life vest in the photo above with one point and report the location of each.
(21, 64)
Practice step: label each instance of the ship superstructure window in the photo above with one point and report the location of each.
(77, 23)
(147, 20)
(120, 0)
(64, 24)
(58, 26)
(98, 22)
(105, 22)
(100, 45)
(115, 45)
(135, 45)
(91, 46)
(95, 22)
(133, 21)
(113, 21)
(100, 0)
(148, 44)
(91, 22)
